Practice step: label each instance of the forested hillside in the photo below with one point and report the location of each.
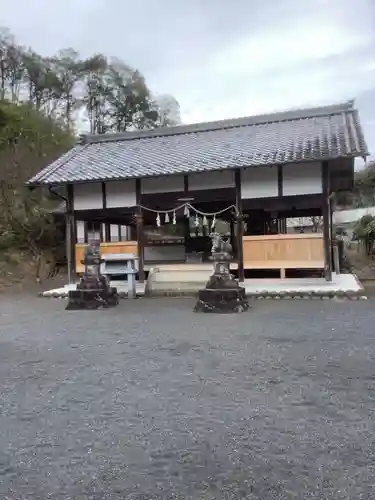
(44, 103)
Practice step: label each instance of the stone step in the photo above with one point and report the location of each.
(174, 280)
(177, 275)
(173, 288)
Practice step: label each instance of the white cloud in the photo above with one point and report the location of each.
(222, 59)
(287, 65)
(275, 51)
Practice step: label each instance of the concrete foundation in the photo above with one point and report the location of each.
(187, 282)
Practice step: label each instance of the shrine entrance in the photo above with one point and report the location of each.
(183, 236)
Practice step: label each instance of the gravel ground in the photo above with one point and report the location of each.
(150, 400)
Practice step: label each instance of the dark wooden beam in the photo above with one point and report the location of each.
(112, 215)
(284, 203)
(304, 212)
(85, 232)
(331, 220)
(186, 219)
(239, 228)
(233, 239)
(140, 231)
(107, 232)
(280, 180)
(186, 185)
(107, 226)
(104, 195)
(70, 234)
(167, 201)
(326, 222)
(332, 235)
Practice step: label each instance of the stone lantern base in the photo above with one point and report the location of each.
(93, 292)
(222, 293)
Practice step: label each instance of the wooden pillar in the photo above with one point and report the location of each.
(140, 230)
(107, 227)
(280, 193)
(70, 233)
(186, 219)
(332, 236)
(233, 240)
(280, 182)
(239, 228)
(86, 232)
(326, 222)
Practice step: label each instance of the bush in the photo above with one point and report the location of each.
(7, 240)
(370, 230)
(360, 232)
(364, 231)
(29, 140)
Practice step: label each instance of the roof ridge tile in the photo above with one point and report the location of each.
(297, 136)
(246, 121)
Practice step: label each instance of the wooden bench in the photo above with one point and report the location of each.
(284, 251)
(105, 248)
(282, 266)
(121, 264)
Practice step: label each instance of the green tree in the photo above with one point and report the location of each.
(28, 141)
(70, 71)
(114, 96)
(364, 232)
(128, 98)
(11, 67)
(364, 187)
(168, 110)
(42, 102)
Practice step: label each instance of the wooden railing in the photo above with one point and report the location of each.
(284, 251)
(280, 251)
(112, 247)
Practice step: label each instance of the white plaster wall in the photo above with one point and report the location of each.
(211, 180)
(302, 178)
(259, 182)
(88, 196)
(121, 194)
(164, 253)
(163, 184)
(80, 231)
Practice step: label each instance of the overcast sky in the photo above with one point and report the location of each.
(221, 59)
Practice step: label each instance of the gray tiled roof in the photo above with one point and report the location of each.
(294, 136)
